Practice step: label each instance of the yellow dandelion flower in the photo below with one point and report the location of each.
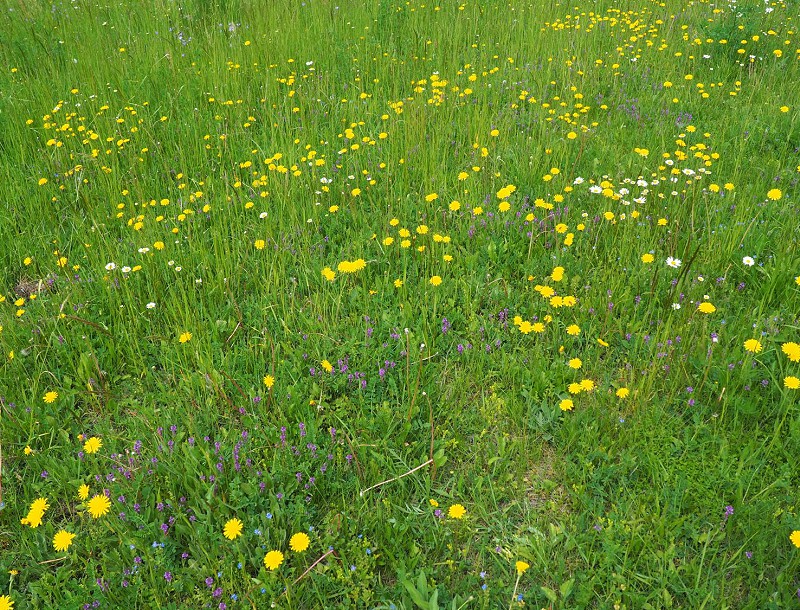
(436, 280)
(456, 511)
(545, 291)
(92, 445)
(795, 538)
(50, 397)
(774, 194)
(792, 351)
(587, 385)
(753, 346)
(62, 540)
(273, 560)
(98, 506)
(647, 258)
(233, 529)
(33, 518)
(352, 266)
(6, 603)
(269, 381)
(574, 330)
(623, 392)
(327, 366)
(574, 388)
(186, 336)
(39, 505)
(566, 405)
(83, 492)
(521, 567)
(706, 307)
(299, 542)
(506, 191)
(792, 382)
(575, 363)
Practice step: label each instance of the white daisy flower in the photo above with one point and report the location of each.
(673, 262)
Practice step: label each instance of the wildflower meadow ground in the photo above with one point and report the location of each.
(400, 304)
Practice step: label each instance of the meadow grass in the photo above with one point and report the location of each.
(387, 304)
